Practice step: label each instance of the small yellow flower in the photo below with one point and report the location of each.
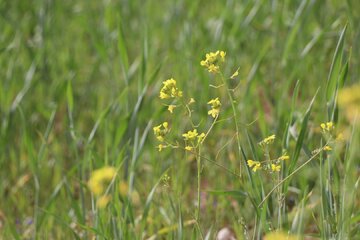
(99, 178)
(214, 112)
(161, 147)
(327, 127)
(327, 148)
(171, 108)
(169, 89)
(215, 107)
(212, 60)
(284, 158)
(103, 201)
(268, 140)
(188, 148)
(275, 168)
(255, 165)
(213, 68)
(222, 55)
(191, 101)
(161, 130)
(190, 135)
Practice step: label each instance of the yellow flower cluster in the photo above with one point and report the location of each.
(191, 136)
(169, 89)
(267, 141)
(160, 131)
(255, 165)
(275, 168)
(349, 100)
(215, 107)
(327, 127)
(212, 61)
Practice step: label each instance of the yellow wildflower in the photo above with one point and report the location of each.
(161, 130)
(190, 135)
(161, 147)
(268, 140)
(169, 89)
(171, 108)
(212, 60)
(327, 127)
(99, 178)
(284, 157)
(275, 168)
(327, 148)
(213, 68)
(215, 107)
(188, 148)
(255, 165)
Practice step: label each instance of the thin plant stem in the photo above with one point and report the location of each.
(198, 159)
(232, 101)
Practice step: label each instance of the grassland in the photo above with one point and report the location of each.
(79, 91)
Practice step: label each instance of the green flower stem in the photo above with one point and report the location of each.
(232, 101)
(198, 159)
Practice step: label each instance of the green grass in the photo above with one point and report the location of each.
(79, 87)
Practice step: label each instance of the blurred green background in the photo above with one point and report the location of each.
(79, 85)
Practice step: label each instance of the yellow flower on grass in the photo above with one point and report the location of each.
(268, 140)
(327, 127)
(215, 107)
(103, 201)
(161, 147)
(170, 90)
(284, 158)
(255, 165)
(213, 68)
(212, 60)
(327, 148)
(188, 148)
(99, 178)
(161, 130)
(275, 168)
(190, 135)
(171, 108)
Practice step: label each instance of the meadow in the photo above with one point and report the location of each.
(175, 119)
